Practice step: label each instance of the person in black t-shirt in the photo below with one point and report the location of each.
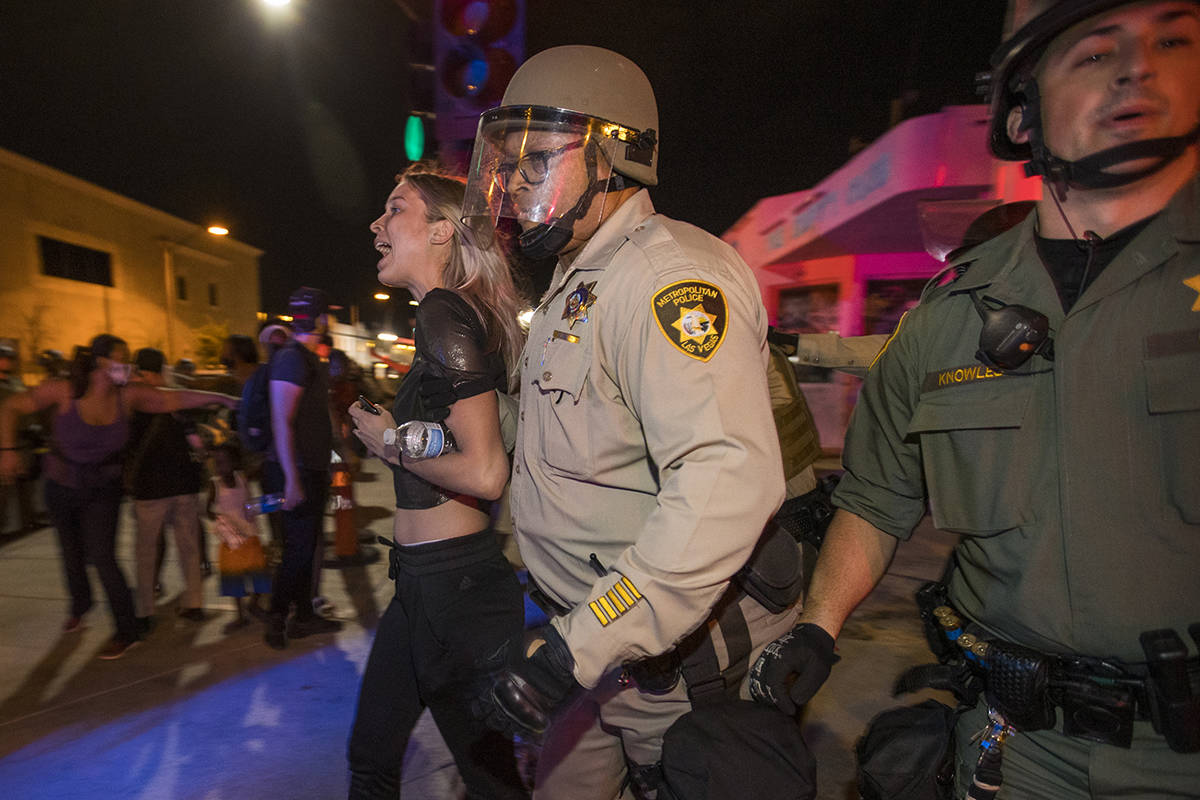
(457, 599)
(298, 467)
(163, 476)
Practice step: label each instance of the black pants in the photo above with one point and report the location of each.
(86, 520)
(303, 532)
(457, 601)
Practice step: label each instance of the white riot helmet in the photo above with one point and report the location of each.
(575, 123)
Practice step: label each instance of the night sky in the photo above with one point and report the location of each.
(291, 133)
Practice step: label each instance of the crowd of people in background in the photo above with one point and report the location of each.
(102, 426)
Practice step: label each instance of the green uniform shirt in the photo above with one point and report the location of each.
(1076, 484)
(645, 436)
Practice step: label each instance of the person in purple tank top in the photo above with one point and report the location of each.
(83, 469)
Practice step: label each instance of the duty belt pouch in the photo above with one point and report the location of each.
(736, 749)
(907, 753)
(726, 747)
(1017, 685)
(774, 575)
(657, 674)
(807, 517)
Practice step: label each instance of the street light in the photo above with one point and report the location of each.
(382, 296)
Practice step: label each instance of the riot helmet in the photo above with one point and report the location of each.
(1030, 27)
(575, 124)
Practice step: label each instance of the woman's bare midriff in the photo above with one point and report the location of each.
(445, 521)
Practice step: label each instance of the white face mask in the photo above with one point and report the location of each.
(119, 373)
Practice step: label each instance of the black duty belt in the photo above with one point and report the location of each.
(1099, 697)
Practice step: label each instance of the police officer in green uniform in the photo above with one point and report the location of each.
(1045, 401)
(647, 462)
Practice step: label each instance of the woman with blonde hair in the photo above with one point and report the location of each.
(457, 599)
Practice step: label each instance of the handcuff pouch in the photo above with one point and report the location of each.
(774, 575)
(1017, 685)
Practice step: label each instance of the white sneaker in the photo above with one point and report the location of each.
(323, 607)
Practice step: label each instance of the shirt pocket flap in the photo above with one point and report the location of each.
(564, 364)
(1173, 378)
(1001, 403)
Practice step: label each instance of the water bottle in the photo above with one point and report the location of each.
(418, 439)
(265, 504)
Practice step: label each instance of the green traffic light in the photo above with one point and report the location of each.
(414, 138)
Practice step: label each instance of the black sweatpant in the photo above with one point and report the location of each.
(86, 521)
(457, 601)
(302, 534)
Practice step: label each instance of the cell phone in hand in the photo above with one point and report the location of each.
(368, 406)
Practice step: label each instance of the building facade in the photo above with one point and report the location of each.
(78, 260)
(852, 254)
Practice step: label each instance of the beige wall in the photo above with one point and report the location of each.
(145, 244)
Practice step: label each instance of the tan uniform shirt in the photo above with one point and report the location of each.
(851, 354)
(646, 436)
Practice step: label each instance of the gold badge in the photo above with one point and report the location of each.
(1194, 283)
(578, 303)
(693, 315)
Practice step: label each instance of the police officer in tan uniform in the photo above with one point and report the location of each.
(1045, 401)
(647, 462)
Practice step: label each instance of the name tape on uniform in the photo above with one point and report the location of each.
(957, 376)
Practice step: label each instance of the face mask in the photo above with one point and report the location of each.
(119, 373)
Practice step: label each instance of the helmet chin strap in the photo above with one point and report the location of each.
(547, 239)
(1089, 172)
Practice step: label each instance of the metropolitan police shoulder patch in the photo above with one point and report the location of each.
(693, 315)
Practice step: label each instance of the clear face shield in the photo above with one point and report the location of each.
(545, 169)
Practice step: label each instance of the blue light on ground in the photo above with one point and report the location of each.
(207, 744)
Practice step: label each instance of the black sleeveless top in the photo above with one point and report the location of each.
(450, 343)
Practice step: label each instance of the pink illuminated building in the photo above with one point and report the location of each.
(852, 254)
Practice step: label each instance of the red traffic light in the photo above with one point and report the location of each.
(478, 45)
(482, 20)
(469, 71)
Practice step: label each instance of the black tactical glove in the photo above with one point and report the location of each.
(792, 668)
(437, 395)
(522, 698)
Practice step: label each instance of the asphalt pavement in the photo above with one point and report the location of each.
(201, 712)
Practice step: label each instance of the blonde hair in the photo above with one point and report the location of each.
(478, 273)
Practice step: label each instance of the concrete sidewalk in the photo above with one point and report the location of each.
(197, 713)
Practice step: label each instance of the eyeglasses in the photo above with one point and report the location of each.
(534, 166)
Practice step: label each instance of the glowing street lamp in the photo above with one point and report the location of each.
(382, 296)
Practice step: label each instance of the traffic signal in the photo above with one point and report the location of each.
(414, 138)
(478, 45)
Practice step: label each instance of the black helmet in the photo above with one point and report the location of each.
(1030, 27)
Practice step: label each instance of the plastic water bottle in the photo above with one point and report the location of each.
(417, 439)
(265, 504)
